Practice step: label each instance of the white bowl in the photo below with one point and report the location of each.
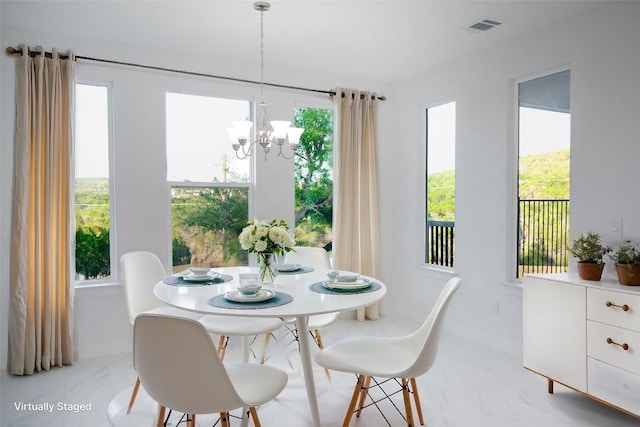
(336, 276)
(199, 271)
(250, 288)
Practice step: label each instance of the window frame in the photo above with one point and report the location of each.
(113, 263)
(425, 213)
(249, 185)
(512, 230)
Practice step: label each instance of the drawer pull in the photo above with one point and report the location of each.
(624, 346)
(624, 307)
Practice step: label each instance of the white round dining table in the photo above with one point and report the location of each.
(305, 302)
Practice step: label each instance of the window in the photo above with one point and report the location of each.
(209, 185)
(543, 174)
(92, 195)
(441, 184)
(314, 177)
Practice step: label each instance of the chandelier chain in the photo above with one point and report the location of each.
(262, 55)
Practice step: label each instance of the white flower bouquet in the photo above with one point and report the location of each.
(266, 239)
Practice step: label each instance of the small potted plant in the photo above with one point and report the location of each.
(627, 259)
(589, 250)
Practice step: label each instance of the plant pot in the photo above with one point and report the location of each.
(590, 270)
(628, 274)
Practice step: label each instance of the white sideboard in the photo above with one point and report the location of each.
(584, 335)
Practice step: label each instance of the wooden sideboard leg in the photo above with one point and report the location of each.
(549, 385)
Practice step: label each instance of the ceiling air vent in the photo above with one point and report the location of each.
(484, 25)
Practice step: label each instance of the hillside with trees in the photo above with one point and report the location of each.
(545, 176)
(542, 176)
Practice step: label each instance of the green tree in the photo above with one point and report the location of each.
(441, 196)
(208, 222)
(314, 177)
(93, 260)
(92, 252)
(545, 176)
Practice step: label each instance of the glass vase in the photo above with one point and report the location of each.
(267, 267)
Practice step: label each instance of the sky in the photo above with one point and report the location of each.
(540, 131)
(197, 140)
(543, 131)
(92, 131)
(441, 138)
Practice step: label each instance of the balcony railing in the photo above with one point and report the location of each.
(440, 242)
(543, 227)
(543, 231)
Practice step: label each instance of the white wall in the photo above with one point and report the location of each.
(603, 53)
(141, 205)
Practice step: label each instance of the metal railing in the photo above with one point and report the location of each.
(440, 243)
(543, 232)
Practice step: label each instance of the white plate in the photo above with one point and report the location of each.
(262, 295)
(289, 267)
(193, 278)
(358, 284)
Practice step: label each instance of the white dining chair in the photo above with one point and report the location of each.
(142, 270)
(403, 358)
(188, 375)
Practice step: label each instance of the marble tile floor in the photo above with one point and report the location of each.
(470, 385)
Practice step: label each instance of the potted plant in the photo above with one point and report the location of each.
(589, 250)
(627, 259)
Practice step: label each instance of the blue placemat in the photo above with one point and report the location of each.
(179, 281)
(317, 287)
(280, 298)
(303, 269)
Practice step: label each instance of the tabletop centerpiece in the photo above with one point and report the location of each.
(266, 240)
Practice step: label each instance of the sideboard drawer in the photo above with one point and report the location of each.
(614, 308)
(616, 346)
(614, 385)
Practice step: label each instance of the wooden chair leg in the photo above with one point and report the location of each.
(264, 350)
(224, 419)
(364, 392)
(407, 403)
(357, 390)
(222, 346)
(192, 419)
(161, 412)
(318, 338)
(133, 395)
(416, 399)
(254, 415)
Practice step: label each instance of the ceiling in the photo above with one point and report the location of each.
(382, 40)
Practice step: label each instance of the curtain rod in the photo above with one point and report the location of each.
(17, 51)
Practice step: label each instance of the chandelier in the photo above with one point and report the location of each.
(268, 133)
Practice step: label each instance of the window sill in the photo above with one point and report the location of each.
(515, 284)
(96, 290)
(437, 270)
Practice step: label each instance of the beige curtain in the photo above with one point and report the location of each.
(356, 245)
(41, 289)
